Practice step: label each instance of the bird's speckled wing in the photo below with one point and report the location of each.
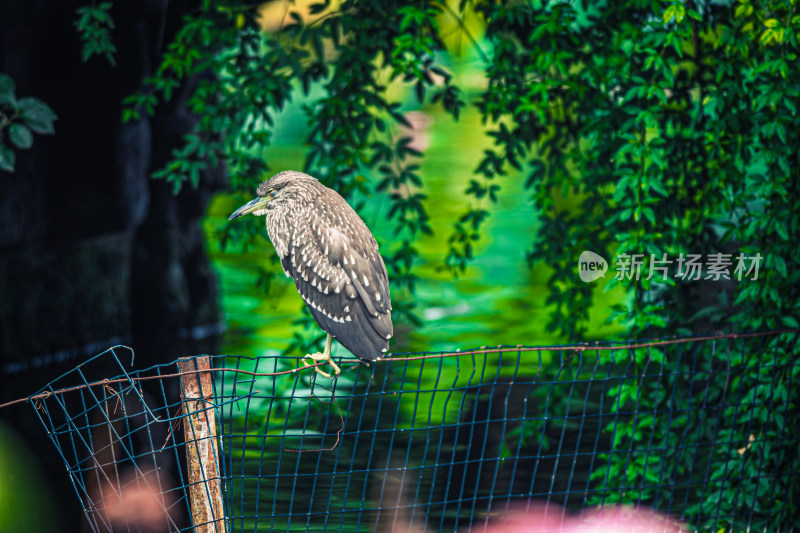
(338, 271)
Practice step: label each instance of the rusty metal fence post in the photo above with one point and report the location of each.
(202, 455)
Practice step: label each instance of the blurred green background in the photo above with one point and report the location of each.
(500, 299)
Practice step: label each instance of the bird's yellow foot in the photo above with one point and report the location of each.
(323, 357)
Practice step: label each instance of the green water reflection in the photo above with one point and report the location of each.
(498, 301)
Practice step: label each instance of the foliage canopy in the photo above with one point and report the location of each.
(668, 123)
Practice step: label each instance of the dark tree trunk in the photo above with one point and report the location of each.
(92, 251)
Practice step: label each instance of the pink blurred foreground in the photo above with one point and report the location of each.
(541, 518)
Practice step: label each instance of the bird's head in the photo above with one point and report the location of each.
(280, 190)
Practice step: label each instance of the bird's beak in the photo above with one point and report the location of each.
(253, 205)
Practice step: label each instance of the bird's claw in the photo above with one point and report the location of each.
(319, 358)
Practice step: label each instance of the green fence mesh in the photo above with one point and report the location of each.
(695, 428)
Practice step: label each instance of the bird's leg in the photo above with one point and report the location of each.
(324, 356)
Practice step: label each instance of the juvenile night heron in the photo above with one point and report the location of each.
(333, 259)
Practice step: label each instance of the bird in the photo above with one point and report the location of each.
(333, 258)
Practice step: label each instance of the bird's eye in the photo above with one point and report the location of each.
(271, 191)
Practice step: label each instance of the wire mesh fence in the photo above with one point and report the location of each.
(699, 429)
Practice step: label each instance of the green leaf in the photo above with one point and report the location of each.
(37, 115)
(675, 10)
(790, 322)
(6, 158)
(7, 87)
(20, 136)
(668, 14)
(94, 24)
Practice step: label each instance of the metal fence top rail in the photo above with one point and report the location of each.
(576, 348)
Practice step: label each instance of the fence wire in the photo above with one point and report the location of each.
(694, 428)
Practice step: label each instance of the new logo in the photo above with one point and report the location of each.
(591, 266)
